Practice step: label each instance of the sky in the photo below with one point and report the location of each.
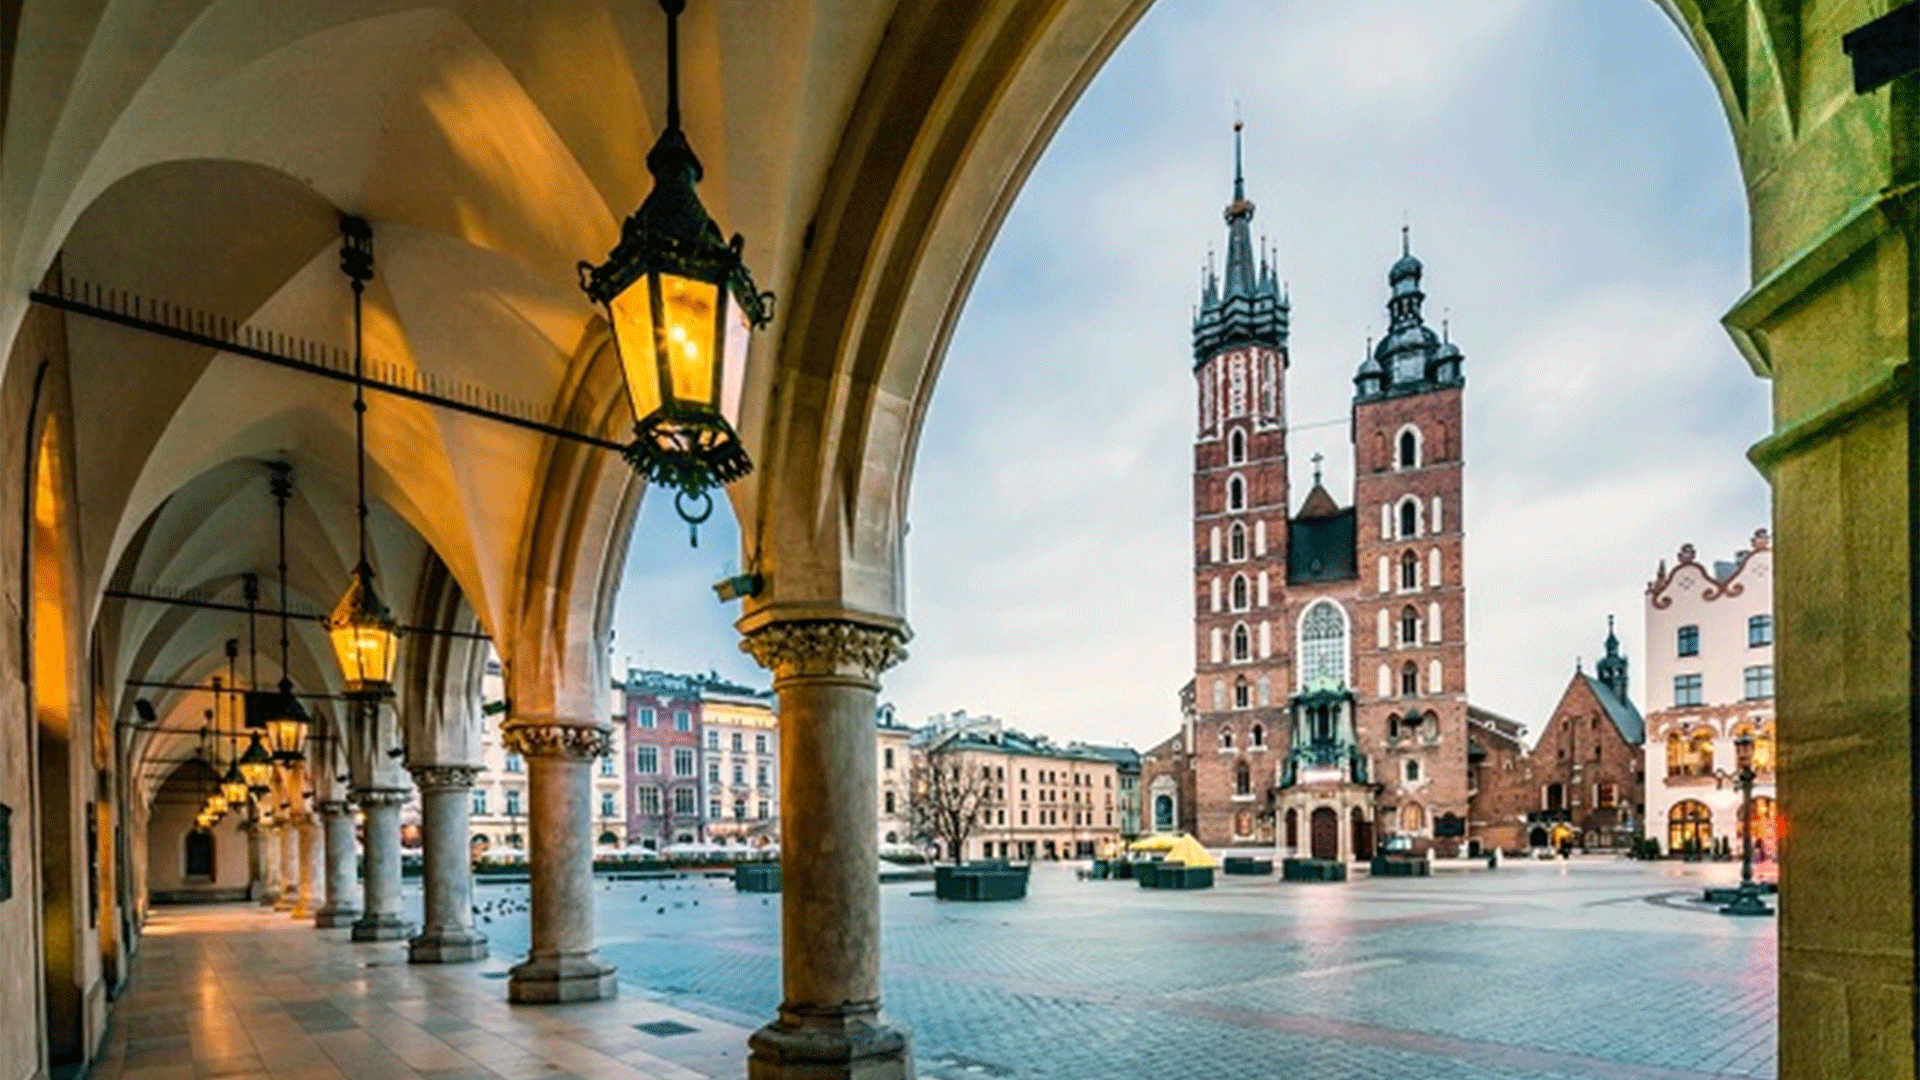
(1570, 183)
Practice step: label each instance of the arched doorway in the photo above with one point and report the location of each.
(1325, 829)
(1764, 825)
(1689, 828)
(1362, 834)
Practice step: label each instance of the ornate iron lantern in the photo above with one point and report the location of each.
(256, 766)
(681, 305)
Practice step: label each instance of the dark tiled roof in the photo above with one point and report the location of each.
(1624, 716)
(1318, 503)
(1321, 549)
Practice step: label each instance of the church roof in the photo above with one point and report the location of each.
(1409, 358)
(1319, 504)
(1321, 548)
(1625, 717)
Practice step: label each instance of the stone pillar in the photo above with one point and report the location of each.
(256, 859)
(561, 965)
(289, 831)
(269, 864)
(340, 909)
(446, 874)
(380, 916)
(826, 672)
(312, 888)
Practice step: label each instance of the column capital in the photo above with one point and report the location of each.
(443, 777)
(368, 797)
(334, 807)
(825, 645)
(536, 737)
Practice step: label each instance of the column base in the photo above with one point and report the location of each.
(381, 928)
(327, 919)
(852, 1046)
(452, 946)
(552, 980)
(269, 897)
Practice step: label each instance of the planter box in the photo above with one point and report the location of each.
(1122, 868)
(1384, 866)
(1240, 865)
(757, 877)
(1173, 875)
(980, 882)
(1313, 870)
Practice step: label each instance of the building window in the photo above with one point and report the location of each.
(683, 761)
(1242, 643)
(682, 720)
(1410, 518)
(1409, 680)
(1556, 797)
(713, 809)
(1242, 694)
(739, 774)
(514, 764)
(764, 808)
(887, 755)
(889, 798)
(713, 739)
(1689, 643)
(1759, 631)
(1409, 626)
(1323, 647)
(1606, 796)
(646, 759)
(1237, 542)
(479, 802)
(760, 745)
(1236, 447)
(1686, 690)
(646, 801)
(1239, 592)
(1256, 738)
(1242, 779)
(606, 804)
(1409, 571)
(760, 775)
(646, 718)
(1409, 449)
(606, 766)
(1226, 738)
(513, 802)
(1759, 682)
(1162, 812)
(1413, 770)
(683, 801)
(739, 742)
(1236, 493)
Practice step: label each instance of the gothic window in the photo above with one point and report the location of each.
(1239, 592)
(1242, 643)
(1226, 738)
(1409, 626)
(1413, 771)
(1242, 779)
(1409, 571)
(1236, 447)
(1242, 696)
(1237, 541)
(1410, 679)
(1258, 736)
(1236, 493)
(1556, 797)
(1409, 448)
(1393, 727)
(1410, 517)
(1323, 647)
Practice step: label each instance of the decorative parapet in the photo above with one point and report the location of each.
(815, 647)
(535, 739)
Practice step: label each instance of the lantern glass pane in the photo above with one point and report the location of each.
(235, 792)
(733, 362)
(687, 336)
(285, 732)
(366, 653)
(631, 314)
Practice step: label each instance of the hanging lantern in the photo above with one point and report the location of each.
(681, 304)
(233, 786)
(366, 639)
(287, 727)
(256, 766)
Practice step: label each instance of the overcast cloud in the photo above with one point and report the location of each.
(1571, 186)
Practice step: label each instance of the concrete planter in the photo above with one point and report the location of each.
(757, 877)
(1313, 870)
(980, 882)
(1386, 866)
(1239, 865)
(1173, 875)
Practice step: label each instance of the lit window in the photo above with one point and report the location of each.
(1689, 641)
(1759, 682)
(1686, 690)
(1759, 631)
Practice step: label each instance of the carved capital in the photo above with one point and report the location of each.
(368, 798)
(443, 777)
(573, 741)
(335, 808)
(804, 647)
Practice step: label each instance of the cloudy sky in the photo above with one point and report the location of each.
(1571, 186)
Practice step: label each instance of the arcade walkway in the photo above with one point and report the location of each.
(241, 993)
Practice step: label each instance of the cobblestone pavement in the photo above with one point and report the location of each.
(1594, 969)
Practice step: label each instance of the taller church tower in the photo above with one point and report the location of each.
(1240, 508)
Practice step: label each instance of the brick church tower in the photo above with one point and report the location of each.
(1410, 633)
(1240, 511)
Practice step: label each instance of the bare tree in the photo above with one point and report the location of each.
(948, 795)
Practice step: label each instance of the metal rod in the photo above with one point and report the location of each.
(253, 352)
(158, 684)
(312, 616)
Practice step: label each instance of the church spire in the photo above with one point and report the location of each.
(1612, 668)
(1241, 280)
(1245, 305)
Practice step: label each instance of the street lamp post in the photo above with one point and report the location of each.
(1746, 901)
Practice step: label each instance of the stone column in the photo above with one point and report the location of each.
(312, 888)
(380, 916)
(446, 874)
(256, 859)
(342, 871)
(561, 965)
(269, 864)
(289, 832)
(826, 672)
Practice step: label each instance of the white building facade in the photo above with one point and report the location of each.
(1710, 683)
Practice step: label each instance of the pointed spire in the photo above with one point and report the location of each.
(1239, 180)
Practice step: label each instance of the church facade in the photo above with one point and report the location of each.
(1327, 714)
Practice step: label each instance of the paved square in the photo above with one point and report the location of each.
(1594, 969)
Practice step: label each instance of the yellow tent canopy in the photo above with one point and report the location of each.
(1177, 847)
